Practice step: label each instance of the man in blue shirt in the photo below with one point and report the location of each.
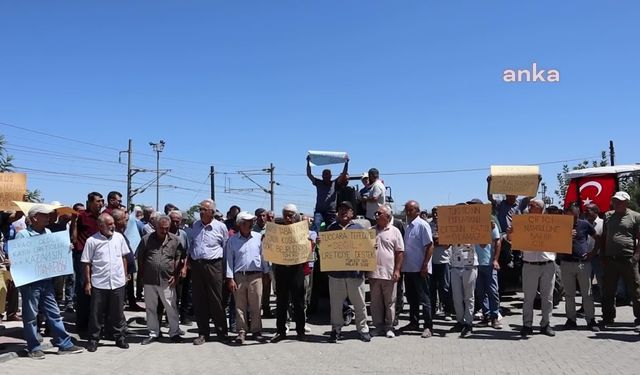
(244, 269)
(40, 295)
(577, 265)
(327, 193)
(418, 245)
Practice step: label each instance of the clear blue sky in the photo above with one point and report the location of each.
(402, 86)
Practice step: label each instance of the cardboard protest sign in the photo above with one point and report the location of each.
(40, 257)
(61, 210)
(13, 187)
(286, 244)
(327, 157)
(514, 180)
(538, 232)
(348, 250)
(464, 224)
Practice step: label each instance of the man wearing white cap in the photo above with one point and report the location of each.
(244, 269)
(620, 254)
(40, 294)
(538, 273)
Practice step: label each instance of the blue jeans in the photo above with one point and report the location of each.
(488, 292)
(319, 218)
(41, 294)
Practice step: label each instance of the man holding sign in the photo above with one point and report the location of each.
(346, 284)
(39, 296)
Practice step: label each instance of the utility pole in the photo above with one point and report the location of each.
(272, 184)
(157, 148)
(130, 173)
(213, 186)
(612, 153)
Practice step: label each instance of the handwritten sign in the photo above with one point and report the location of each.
(348, 250)
(286, 244)
(514, 180)
(40, 257)
(537, 232)
(464, 224)
(13, 187)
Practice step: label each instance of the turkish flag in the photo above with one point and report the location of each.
(593, 189)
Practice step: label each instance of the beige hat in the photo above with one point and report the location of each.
(622, 196)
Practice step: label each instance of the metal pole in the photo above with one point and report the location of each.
(612, 153)
(129, 176)
(157, 180)
(213, 180)
(272, 183)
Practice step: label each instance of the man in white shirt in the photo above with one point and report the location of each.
(104, 259)
(374, 197)
(538, 270)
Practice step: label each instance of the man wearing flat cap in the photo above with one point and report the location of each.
(620, 254)
(39, 296)
(244, 269)
(347, 284)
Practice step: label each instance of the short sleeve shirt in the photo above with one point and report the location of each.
(621, 232)
(375, 190)
(485, 253)
(389, 241)
(463, 256)
(105, 256)
(505, 212)
(417, 237)
(326, 196)
(580, 243)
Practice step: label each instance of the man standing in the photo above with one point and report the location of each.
(487, 287)
(289, 288)
(183, 288)
(39, 296)
(208, 238)
(577, 265)
(418, 246)
(259, 226)
(83, 226)
(440, 276)
(326, 193)
(105, 263)
(120, 220)
(621, 252)
(375, 197)
(347, 284)
(244, 269)
(114, 201)
(159, 255)
(594, 243)
(390, 253)
(464, 272)
(538, 273)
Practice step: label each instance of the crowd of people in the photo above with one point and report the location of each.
(214, 271)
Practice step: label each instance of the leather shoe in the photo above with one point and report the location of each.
(278, 337)
(149, 340)
(122, 344)
(200, 340)
(176, 339)
(92, 346)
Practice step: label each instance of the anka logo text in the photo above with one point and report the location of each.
(534, 74)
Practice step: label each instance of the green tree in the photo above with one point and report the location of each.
(563, 180)
(190, 216)
(6, 160)
(6, 165)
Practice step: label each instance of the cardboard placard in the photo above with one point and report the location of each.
(348, 250)
(286, 244)
(540, 232)
(40, 257)
(514, 180)
(13, 187)
(464, 224)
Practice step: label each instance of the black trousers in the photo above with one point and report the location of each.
(130, 292)
(441, 289)
(289, 287)
(83, 302)
(417, 289)
(184, 296)
(207, 281)
(615, 268)
(107, 303)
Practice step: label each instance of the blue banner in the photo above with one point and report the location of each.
(132, 233)
(40, 257)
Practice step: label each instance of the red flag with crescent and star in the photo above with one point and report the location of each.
(593, 189)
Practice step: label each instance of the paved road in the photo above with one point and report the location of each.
(486, 351)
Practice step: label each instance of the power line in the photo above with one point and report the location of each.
(57, 136)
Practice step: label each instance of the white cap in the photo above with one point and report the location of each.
(56, 203)
(39, 209)
(244, 216)
(290, 208)
(622, 196)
